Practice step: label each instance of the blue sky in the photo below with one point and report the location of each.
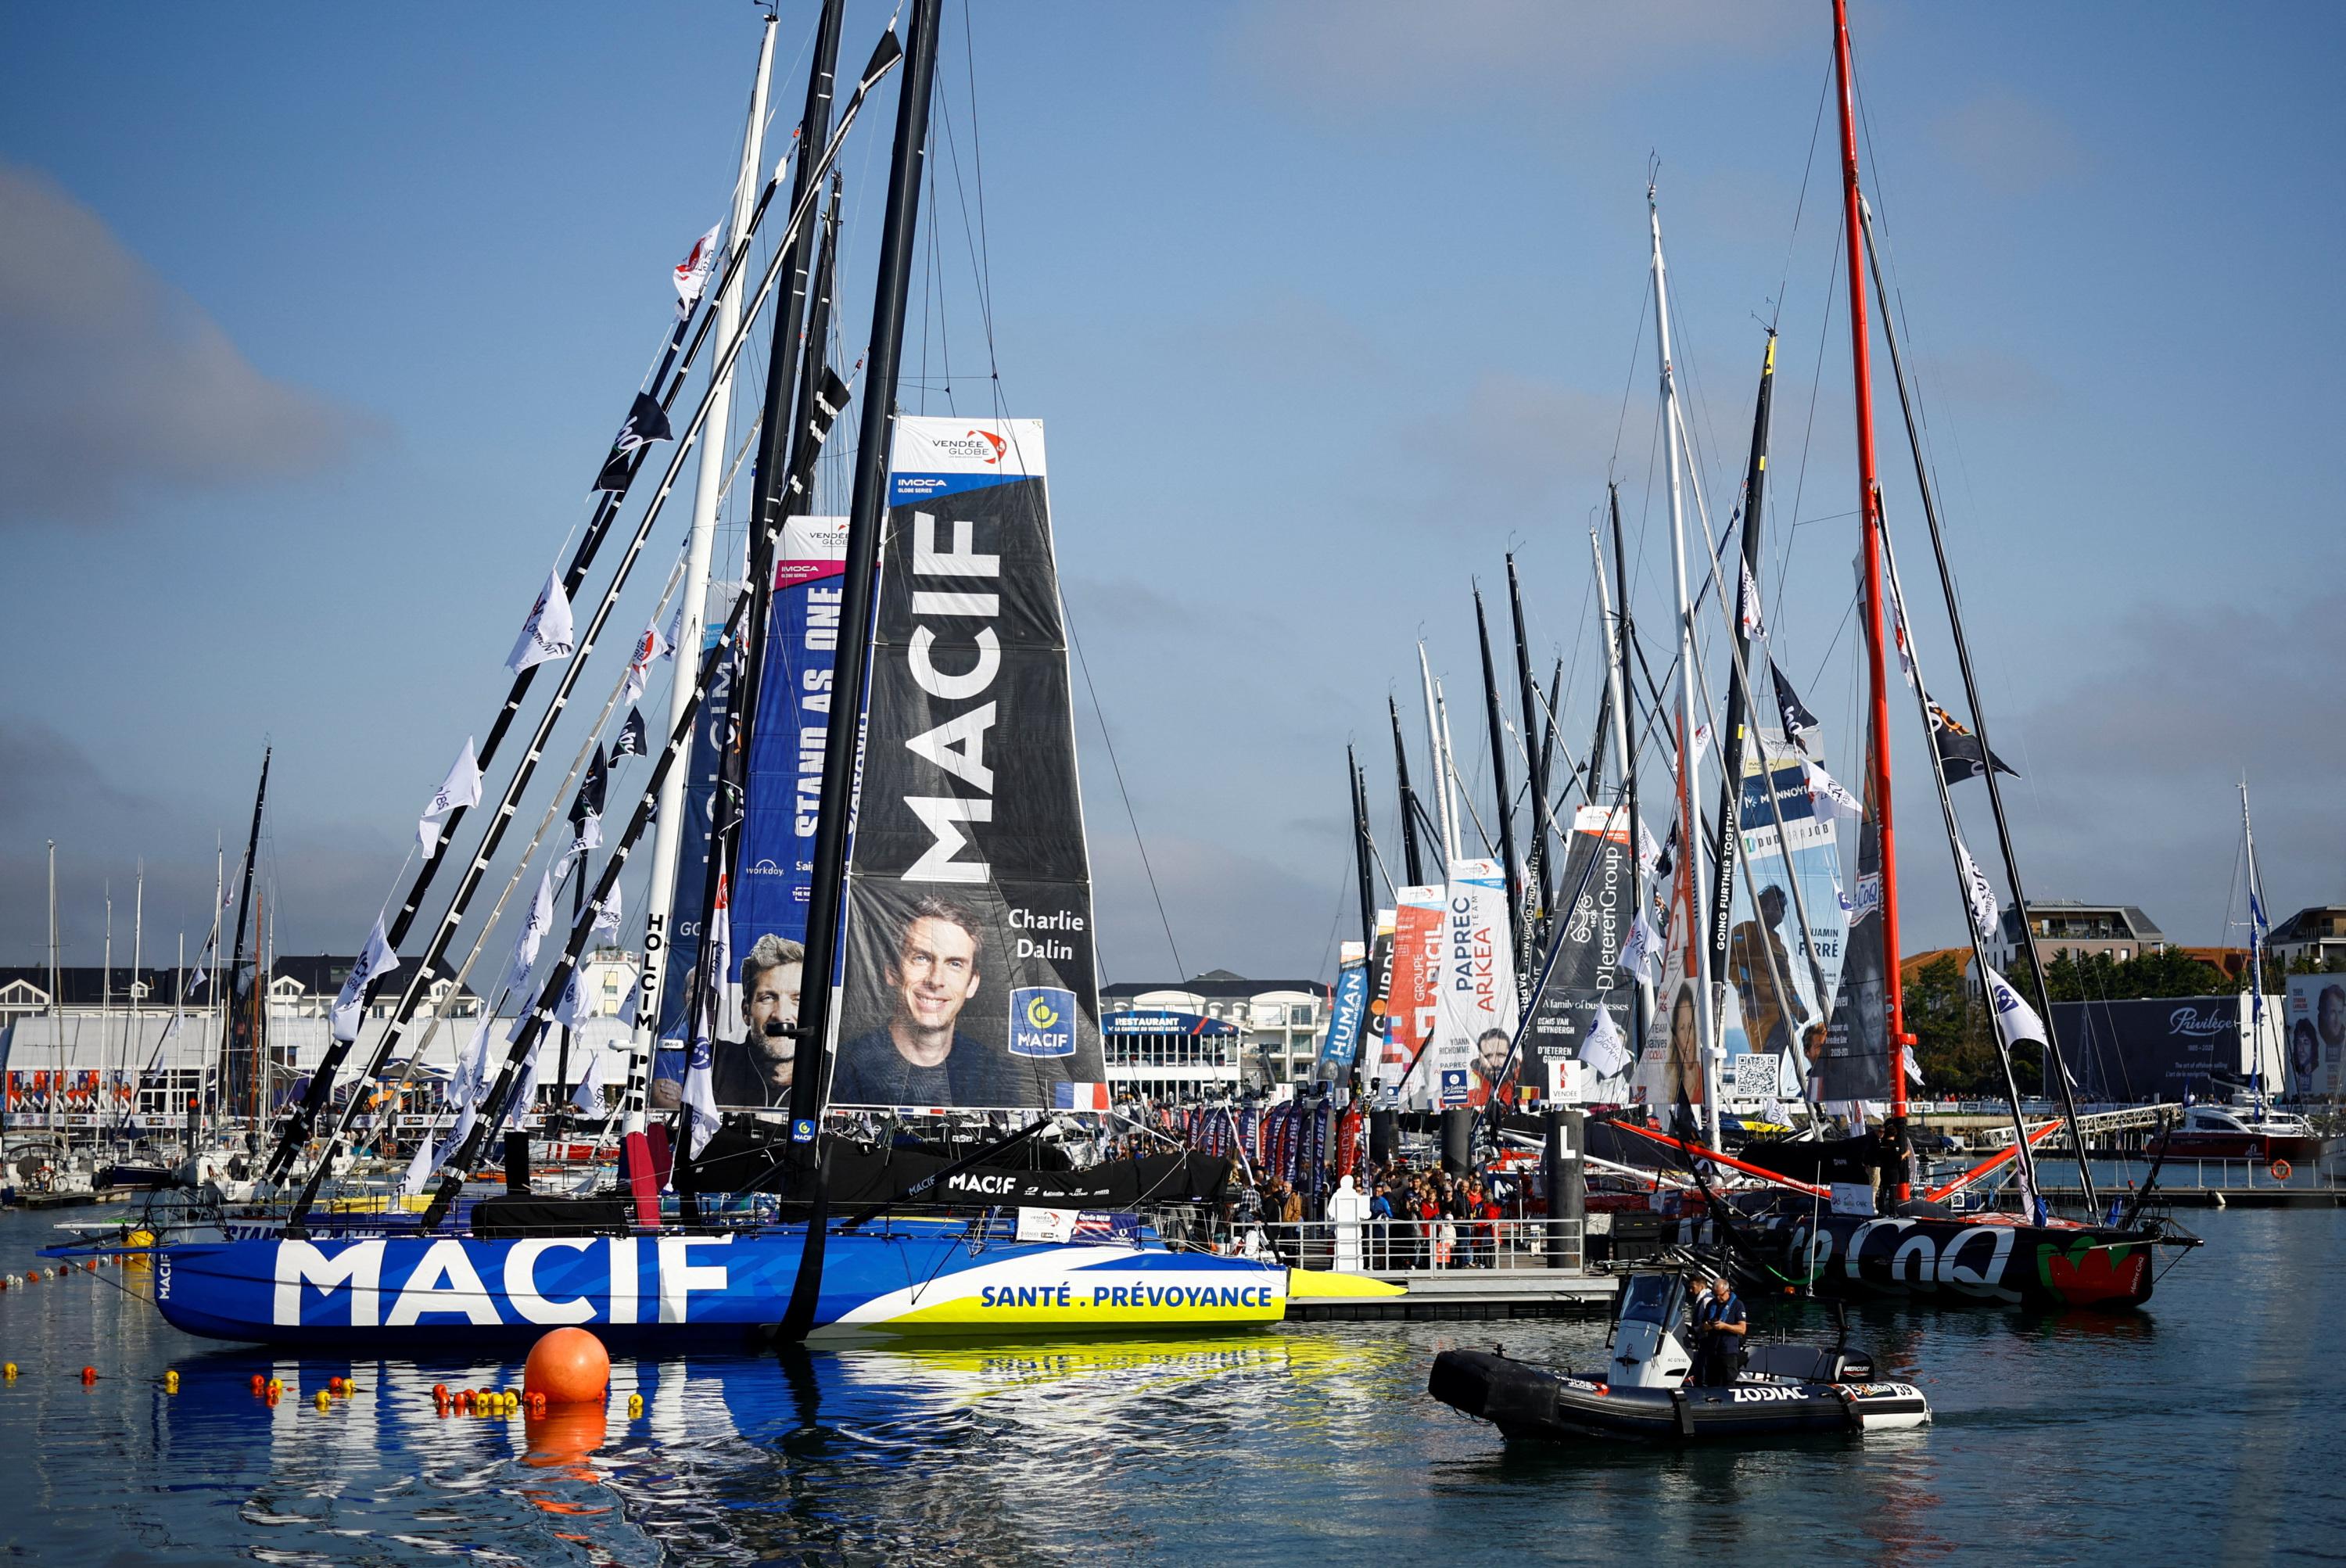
(315, 320)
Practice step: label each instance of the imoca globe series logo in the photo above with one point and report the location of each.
(1042, 1022)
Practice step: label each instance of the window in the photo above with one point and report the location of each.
(1299, 1015)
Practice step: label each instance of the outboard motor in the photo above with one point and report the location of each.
(1647, 1351)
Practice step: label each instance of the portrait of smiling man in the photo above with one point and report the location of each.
(920, 1056)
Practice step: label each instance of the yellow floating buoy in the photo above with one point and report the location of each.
(9, 1371)
(275, 1386)
(635, 1404)
(171, 1382)
(325, 1401)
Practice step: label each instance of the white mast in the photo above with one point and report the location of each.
(668, 833)
(1451, 783)
(138, 955)
(1690, 760)
(105, 1004)
(207, 1072)
(56, 994)
(2256, 950)
(1445, 811)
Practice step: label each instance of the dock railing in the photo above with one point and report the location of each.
(1387, 1247)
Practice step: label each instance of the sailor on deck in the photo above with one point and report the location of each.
(1719, 1322)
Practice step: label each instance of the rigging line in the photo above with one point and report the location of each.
(1808, 432)
(1116, 766)
(1799, 205)
(1344, 891)
(1847, 611)
(1630, 383)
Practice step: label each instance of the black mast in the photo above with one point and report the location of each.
(235, 1074)
(1499, 785)
(1527, 697)
(867, 517)
(1626, 640)
(1363, 851)
(1730, 778)
(1411, 858)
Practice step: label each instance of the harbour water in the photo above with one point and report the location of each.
(2203, 1429)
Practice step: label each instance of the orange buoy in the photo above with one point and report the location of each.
(440, 1392)
(569, 1367)
(2280, 1170)
(259, 1383)
(89, 1374)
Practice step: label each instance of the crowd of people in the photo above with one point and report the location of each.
(1417, 1217)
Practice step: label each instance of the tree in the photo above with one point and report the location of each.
(1952, 1040)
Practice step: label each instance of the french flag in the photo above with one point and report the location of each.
(1079, 1097)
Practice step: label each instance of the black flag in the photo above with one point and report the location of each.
(630, 742)
(586, 811)
(646, 422)
(1960, 754)
(1798, 722)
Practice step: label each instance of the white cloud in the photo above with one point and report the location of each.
(116, 381)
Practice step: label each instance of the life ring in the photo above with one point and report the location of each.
(2280, 1170)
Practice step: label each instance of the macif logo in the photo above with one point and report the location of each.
(1042, 1020)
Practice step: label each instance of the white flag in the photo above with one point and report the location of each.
(586, 1094)
(419, 1170)
(1986, 915)
(525, 1098)
(1913, 1064)
(1602, 1051)
(376, 961)
(574, 1001)
(2014, 1018)
(692, 274)
(547, 634)
(649, 646)
(608, 915)
(675, 629)
(1754, 623)
(1823, 786)
(533, 931)
(461, 788)
(1649, 853)
(1643, 947)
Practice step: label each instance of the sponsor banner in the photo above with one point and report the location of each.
(1417, 961)
(1373, 1031)
(1346, 1015)
(2160, 1048)
(1854, 1064)
(711, 728)
(785, 763)
(1475, 999)
(1586, 973)
(971, 978)
(2316, 1045)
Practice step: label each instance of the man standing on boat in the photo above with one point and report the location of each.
(1720, 1327)
(919, 1057)
(756, 1071)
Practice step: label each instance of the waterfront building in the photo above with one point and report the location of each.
(2312, 938)
(1277, 1021)
(2118, 931)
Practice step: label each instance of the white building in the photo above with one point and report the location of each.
(1278, 1021)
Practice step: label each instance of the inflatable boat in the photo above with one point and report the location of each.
(1643, 1392)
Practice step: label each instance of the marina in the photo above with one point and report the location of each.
(769, 1114)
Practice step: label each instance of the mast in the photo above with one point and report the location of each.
(1363, 851)
(1539, 878)
(236, 1042)
(842, 737)
(1445, 806)
(1869, 501)
(57, 996)
(2056, 1067)
(1740, 703)
(2256, 956)
(1625, 738)
(1689, 726)
(1497, 725)
(693, 601)
(779, 434)
(138, 957)
(1412, 862)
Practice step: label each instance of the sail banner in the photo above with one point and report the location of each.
(785, 773)
(1477, 1001)
(1381, 972)
(1774, 974)
(1346, 1015)
(1586, 973)
(1417, 961)
(2317, 1034)
(713, 729)
(971, 978)
(1855, 1062)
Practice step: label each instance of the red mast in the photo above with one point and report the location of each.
(1869, 510)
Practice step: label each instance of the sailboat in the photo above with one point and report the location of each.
(966, 878)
